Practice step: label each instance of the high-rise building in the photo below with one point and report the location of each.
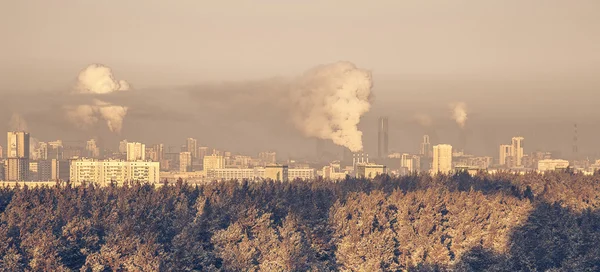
(425, 147)
(213, 162)
(55, 150)
(185, 162)
(1, 152)
(60, 169)
(192, 147)
(123, 146)
(382, 137)
(517, 151)
(136, 152)
(202, 151)
(92, 149)
(410, 163)
(442, 159)
(17, 164)
(505, 153)
(41, 152)
(18, 145)
(17, 169)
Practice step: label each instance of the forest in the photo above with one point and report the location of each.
(500, 222)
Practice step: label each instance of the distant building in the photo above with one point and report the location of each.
(41, 152)
(505, 152)
(213, 162)
(442, 159)
(1, 152)
(92, 149)
(551, 165)
(185, 162)
(103, 172)
(136, 152)
(517, 151)
(235, 173)
(123, 147)
(60, 169)
(301, 173)
(192, 147)
(276, 172)
(369, 170)
(55, 150)
(382, 137)
(410, 163)
(17, 169)
(268, 157)
(425, 147)
(18, 144)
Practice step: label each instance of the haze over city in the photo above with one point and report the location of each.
(215, 71)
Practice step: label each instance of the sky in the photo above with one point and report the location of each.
(522, 67)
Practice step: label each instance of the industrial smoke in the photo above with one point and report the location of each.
(328, 101)
(97, 79)
(87, 115)
(459, 113)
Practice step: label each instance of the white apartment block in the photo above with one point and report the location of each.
(104, 172)
(301, 173)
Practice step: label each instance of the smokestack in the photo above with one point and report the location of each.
(328, 101)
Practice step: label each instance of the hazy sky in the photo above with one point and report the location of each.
(513, 62)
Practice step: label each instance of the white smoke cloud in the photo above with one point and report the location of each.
(459, 113)
(113, 114)
(17, 123)
(99, 79)
(328, 101)
(87, 115)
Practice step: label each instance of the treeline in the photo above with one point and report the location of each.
(501, 222)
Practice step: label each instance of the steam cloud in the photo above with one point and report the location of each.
(328, 101)
(459, 113)
(98, 79)
(17, 123)
(87, 115)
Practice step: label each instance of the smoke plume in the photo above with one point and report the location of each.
(17, 123)
(98, 79)
(328, 101)
(459, 113)
(87, 115)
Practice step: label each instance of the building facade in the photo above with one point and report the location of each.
(301, 173)
(136, 152)
(369, 170)
(276, 172)
(185, 162)
(382, 137)
(103, 172)
(442, 159)
(213, 162)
